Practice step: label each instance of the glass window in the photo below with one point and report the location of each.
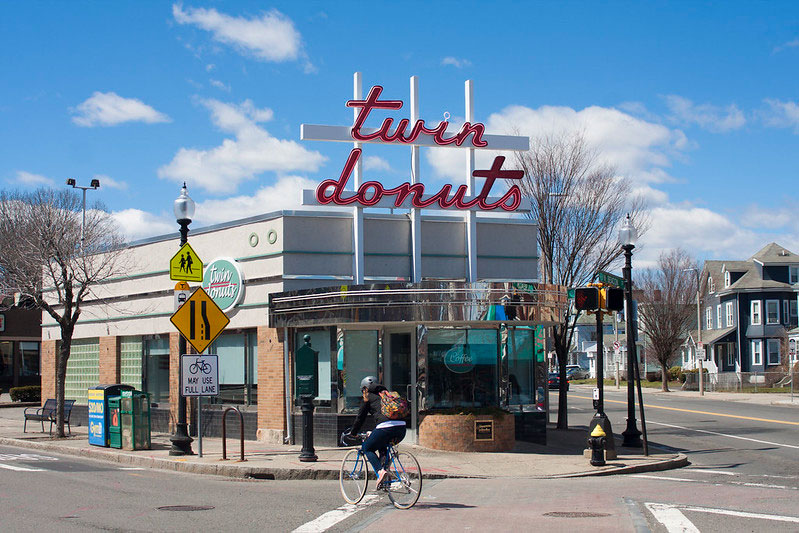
(521, 365)
(773, 347)
(30, 358)
(755, 308)
(793, 310)
(320, 341)
(6, 359)
(772, 311)
(793, 274)
(360, 360)
(711, 285)
(726, 279)
(718, 316)
(83, 369)
(730, 320)
(130, 361)
(785, 304)
(155, 351)
(708, 317)
(757, 353)
(463, 368)
(238, 356)
(730, 355)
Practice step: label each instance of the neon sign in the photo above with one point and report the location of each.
(370, 193)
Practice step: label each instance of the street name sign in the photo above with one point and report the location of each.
(200, 320)
(186, 265)
(610, 279)
(199, 375)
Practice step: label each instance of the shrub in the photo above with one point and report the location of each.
(652, 376)
(31, 393)
(675, 374)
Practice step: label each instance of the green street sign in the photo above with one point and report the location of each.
(610, 279)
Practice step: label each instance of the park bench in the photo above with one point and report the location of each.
(47, 413)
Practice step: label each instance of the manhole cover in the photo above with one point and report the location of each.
(575, 514)
(186, 508)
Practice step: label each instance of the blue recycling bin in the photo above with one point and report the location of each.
(99, 411)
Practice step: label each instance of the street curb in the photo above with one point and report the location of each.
(19, 404)
(244, 472)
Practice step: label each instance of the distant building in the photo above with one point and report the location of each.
(20, 338)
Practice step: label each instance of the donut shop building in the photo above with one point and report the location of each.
(430, 291)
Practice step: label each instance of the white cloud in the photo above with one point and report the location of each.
(251, 152)
(29, 178)
(107, 182)
(374, 162)
(710, 117)
(785, 46)
(270, 37)
(285, 193)
(219, 85)
(455, 62)
(137, 224)
(640, 150)
(782, 114)
(110, 109)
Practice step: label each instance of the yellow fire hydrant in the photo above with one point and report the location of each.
(597, 444)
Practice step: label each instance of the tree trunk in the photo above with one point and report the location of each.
(561, 350)
(60, 382)
(664, 377)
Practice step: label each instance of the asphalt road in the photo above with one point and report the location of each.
(743, 477)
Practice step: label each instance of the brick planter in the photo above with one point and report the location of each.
(456, 432)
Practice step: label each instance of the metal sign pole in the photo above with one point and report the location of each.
(200, 425)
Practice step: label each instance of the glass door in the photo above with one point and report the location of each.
(400, 371)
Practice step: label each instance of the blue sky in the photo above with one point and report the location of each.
(696, 103)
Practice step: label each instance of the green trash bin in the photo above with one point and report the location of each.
(114, 422)
(135, 420)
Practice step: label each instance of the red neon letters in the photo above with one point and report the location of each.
(371, 192)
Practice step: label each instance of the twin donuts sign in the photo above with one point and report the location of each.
(374, 194)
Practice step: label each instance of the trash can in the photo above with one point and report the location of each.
(135, 420)
(99, 412)
(114, 422)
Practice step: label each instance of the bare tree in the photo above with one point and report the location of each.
(666, 306)
(578, 203)
(41, 257)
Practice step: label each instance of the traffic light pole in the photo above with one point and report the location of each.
(600, 366)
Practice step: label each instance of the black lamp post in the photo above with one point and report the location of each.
(181, 442)
(627, 237)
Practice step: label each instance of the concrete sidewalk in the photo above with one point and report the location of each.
(562, 457)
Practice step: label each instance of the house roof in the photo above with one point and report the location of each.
(774, 254)
(710, 336)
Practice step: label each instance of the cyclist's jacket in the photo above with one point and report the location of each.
(373, 407)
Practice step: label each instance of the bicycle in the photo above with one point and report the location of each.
(403, 482)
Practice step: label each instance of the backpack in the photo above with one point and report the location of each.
(393, 406)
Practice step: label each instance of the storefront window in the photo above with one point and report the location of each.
(462, 368)
(30, 358)
(320, 341)
(360, 360)
(521, 366)
(6, 358)
(156, 367)
(238, 363)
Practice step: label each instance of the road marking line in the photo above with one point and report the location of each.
(742, 514)
(700, 412)
(21, 468)
(671, 518)
(725, 435)
(331, 518)
(130, 468)
(665, 478)
(764, 485)
(711, 471)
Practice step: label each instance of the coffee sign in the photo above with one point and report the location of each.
(224, 282)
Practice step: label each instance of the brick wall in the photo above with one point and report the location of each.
(174, 379)
(271, 386)
(109, 360)
(456, 433)
(47, 368)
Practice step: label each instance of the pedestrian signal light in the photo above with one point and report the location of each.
(614, 299)
(586, 298)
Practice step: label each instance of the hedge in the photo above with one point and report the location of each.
(31, 393)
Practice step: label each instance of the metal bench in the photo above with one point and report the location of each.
(47, 413)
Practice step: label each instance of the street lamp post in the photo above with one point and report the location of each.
(699, 359)
(95, 184)
(627, 238)
(181, 442)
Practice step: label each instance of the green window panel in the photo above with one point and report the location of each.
(130, 358)
(83, 369)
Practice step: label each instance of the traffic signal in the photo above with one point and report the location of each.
(614, 299)
(586, 298)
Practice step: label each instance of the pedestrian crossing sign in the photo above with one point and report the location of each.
(200, 320)
(186, 265)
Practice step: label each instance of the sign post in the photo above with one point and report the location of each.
(199, 376)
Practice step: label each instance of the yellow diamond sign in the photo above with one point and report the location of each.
(200, 320)
(186, 265)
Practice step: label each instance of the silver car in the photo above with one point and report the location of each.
(576, 372)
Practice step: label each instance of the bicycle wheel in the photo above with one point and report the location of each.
(406, 483)
(353, 477)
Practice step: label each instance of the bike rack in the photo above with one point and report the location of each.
(224, 433)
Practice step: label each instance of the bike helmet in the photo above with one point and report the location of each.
(369, 382)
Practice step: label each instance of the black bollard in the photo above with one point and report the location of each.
(307, 454)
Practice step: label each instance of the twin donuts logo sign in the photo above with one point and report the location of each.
(370, 193)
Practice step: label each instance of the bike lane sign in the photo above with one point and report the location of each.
(199, 375)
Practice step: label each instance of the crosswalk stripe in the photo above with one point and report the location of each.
(21, 468)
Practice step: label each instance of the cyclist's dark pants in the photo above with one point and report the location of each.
(378, 442)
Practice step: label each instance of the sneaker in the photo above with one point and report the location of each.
(383, 479)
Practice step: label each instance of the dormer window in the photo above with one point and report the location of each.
(711, 287)
(793, 275)
(726, 279)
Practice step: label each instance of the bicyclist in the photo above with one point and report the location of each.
(386, 430)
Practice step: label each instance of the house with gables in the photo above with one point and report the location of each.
(747, 309)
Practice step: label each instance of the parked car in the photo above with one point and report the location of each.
(554, 381)
(576, 372)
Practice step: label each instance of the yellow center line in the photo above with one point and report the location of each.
(701, 412)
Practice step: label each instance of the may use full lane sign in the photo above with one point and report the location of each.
(199, 375)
